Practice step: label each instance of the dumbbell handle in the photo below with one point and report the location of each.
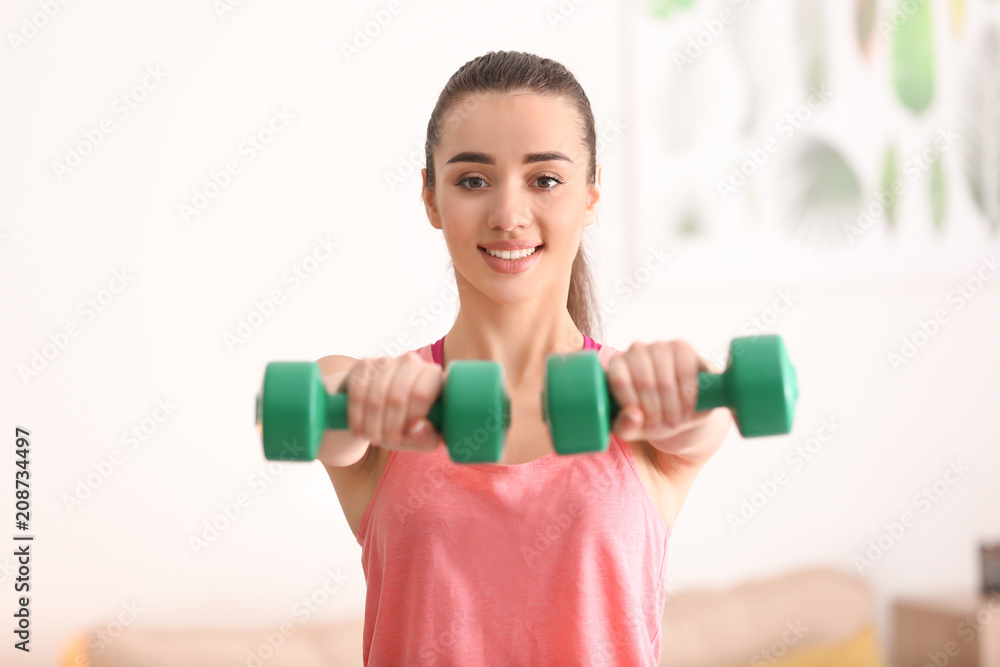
(711, 394)
(336, 412)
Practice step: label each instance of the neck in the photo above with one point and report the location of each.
(520, 336)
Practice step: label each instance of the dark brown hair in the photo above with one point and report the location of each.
(515, 72)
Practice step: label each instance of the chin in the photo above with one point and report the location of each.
(505, 294)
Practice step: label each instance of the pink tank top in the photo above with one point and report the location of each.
(558, 561)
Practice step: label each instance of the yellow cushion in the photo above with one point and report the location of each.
(859, 651)
(73, 652)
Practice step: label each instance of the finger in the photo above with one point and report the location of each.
(397, 398)
(709, 366)
(713, 374)
(425, 390)
(663, 356)
(647, 385)
(358, 382)
(686, 364)
(620, 383)
(422, 436)
(375, 400)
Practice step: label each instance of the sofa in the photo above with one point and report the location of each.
(816, 617)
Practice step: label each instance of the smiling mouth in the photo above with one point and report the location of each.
(512, 255)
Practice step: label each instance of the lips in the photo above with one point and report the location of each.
(511, 265)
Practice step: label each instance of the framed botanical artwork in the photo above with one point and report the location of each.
(805, 139)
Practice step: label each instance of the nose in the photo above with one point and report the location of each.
(511, 208)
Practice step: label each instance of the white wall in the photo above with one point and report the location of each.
(162, 337)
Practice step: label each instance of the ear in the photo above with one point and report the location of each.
(594, 195)
(427, 194)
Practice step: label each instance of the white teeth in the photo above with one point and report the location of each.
(509, 254)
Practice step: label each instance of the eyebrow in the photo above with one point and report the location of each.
(486, 158)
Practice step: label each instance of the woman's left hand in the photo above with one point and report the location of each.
(657, 386)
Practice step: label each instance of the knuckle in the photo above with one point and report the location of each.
(666, 395)
(366, 370)
(661, 346)
(422, 395)
(644, 382)
(617, 380)
(395, 401)
(666, 385)
(375, 368)
(380, 383)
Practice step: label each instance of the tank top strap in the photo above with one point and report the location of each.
(437, 351)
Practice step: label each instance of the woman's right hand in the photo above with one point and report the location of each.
(388, 399)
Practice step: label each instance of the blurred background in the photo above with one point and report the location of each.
(190, 190)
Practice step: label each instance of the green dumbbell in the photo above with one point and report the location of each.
(472, 413)
(758, 385)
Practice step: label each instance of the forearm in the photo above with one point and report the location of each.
(701, 439)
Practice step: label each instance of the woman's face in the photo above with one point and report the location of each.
(512, 168)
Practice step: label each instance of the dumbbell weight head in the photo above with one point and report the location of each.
(476, 411)
(759, 385)
(291, 410)
(576, 403)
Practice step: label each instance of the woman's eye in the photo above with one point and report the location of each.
(555, 181)
(472, 178)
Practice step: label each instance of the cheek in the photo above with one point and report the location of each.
(458, 215)
(562, 213)
(455, 201)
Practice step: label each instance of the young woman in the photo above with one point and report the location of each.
(540, 559)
